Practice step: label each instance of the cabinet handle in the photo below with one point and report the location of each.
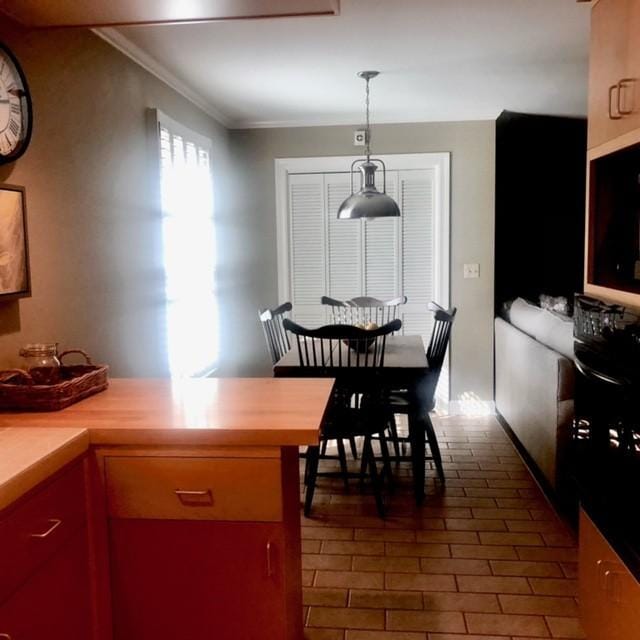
(622, 86)
(269, 566)
(612, 586)
(55, 523)
(613, 88)
(191, 498)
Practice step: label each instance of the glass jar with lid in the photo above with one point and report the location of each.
(41, 362)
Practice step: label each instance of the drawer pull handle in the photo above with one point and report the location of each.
(269, 567)
(191, 498)
(55, 523)
(624, 84)
(613, 88)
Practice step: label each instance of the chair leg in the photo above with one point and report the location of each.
(313, 455)
(343, 464)
(394, 435)
(354, 448)
(386, 461)
(323, 450)
(435, 449)
(306, 466)
(367, 452)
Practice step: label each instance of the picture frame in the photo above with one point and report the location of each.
(15, 275)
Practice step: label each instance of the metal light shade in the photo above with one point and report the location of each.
(368, 202)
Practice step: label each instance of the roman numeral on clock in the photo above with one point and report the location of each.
(14, 127)
(15, 108)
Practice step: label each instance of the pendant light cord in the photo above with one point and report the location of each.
(368, 134)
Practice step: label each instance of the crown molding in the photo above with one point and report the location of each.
(150, 64)
(351, 122)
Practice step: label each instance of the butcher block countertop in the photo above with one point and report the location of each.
(203, 411)
(253, 412)
(29, 456)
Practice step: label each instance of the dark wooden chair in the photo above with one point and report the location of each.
(363, 309)
(358, 406)
(399, 400)
(274, 333)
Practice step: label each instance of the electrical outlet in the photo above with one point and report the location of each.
(359, 137)
(471, 270)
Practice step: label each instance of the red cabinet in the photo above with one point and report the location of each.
(203, 546)
(45, 589)
(196, 580)
(54, 603)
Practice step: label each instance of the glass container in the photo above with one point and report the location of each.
(41, 362)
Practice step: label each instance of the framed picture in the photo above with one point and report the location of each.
(15, 281)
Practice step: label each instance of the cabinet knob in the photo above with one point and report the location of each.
(5, 636)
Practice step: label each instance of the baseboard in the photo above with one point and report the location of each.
(563, 505)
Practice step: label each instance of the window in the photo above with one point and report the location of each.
(189, 248)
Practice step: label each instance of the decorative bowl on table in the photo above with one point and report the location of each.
(362, 345)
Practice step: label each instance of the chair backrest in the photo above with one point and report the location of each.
(363, 309)
(274, 332)
(341, 345)
(440, 334)
(436, 351)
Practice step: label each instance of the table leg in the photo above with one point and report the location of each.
(416, 435)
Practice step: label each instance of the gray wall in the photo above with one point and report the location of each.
(92, 191)
(472, 148)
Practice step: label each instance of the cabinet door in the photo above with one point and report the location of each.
(609, 594)
(54, 604)
(631, 88)
(197, 580)
(611, 42)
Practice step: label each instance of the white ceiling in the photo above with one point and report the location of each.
(440, 60)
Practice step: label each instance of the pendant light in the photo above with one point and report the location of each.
(368, 202)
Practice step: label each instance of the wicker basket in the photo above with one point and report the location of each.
(18, 392)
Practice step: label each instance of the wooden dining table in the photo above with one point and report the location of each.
(405, 367)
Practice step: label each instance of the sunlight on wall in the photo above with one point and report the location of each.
(189, 255)
(470, 404)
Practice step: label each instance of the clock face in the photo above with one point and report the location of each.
(15, 108)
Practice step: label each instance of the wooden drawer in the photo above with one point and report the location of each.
(609, 594)
(35, 529)
(173, 488)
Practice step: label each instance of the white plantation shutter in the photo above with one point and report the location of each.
(416, 200)
(383, 251)
(344, 260)
(382, 258)
(308, 247)
(385, 258)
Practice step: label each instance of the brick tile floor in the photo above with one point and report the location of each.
(485, 558)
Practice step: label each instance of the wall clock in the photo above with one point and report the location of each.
(15, 108)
